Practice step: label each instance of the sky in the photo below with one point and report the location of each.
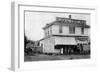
(35, 21)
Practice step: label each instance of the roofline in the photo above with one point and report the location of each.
(71, 19)
(86, 26)
(64, 36)
(71, 35)
(45, 38)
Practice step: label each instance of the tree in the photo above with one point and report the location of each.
(25, 40)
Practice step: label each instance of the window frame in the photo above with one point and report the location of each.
(60, 29)
(72, 29)
(82, 30)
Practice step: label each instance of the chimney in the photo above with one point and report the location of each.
(70, 16)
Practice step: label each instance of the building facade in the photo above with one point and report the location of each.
(66, 35)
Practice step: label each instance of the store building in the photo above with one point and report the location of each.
(66, 35)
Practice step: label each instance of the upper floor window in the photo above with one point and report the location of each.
(50, 30)
(60, 28)
(82, 30)
(71, 30)
(45, 33)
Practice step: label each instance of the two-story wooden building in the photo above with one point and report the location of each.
(65, 35)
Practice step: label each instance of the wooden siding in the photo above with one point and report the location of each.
(48, 45)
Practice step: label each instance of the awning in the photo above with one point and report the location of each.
(81, 40)
(65, 41)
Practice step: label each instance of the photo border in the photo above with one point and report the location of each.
(16, 53)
